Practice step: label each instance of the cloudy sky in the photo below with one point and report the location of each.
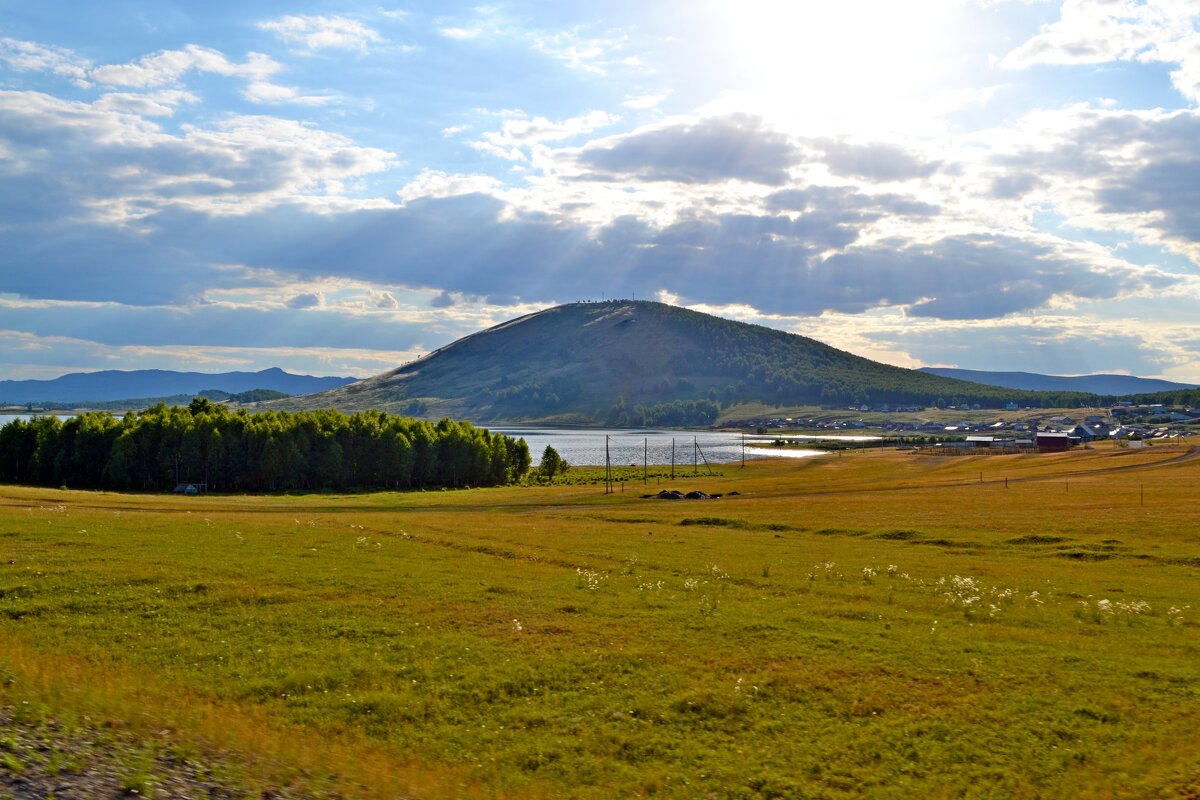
(337, 188)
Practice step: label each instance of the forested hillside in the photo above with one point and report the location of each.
(644, 363)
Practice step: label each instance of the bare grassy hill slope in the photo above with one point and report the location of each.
(598, 362)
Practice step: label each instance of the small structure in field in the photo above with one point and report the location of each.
(1053, 441)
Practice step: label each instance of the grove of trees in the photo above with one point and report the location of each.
(163, 446)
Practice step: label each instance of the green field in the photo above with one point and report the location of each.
(871, 624)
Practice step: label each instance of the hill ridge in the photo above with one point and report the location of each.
(1102, 383)
(636, 362)
(119, 385)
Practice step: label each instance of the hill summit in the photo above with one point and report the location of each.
(627, 362)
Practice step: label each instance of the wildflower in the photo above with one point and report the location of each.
(827, 568)
(1136, 607)
(589, 579)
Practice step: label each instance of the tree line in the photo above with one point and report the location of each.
(675, 414)
(163, 446)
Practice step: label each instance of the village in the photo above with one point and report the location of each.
(1014, 429)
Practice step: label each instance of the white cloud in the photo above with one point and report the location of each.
(34, 57)
(164, 68)
(1090, 32)
(272, 93)
(1112, 170)
(320, 33)
(578, 50)
(150, 104)
(435, 183)
(642, 102)
(168, 66)
(503, 113)
(98, 160)
(460, 34)
(517, 133)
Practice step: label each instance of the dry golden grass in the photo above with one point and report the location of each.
(813, 636)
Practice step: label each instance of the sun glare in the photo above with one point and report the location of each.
(851, 63)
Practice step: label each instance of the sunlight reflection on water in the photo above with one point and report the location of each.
(585, 446)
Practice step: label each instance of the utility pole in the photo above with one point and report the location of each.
(707, 466)
(645, 460)
(607, 468)
(672, 458)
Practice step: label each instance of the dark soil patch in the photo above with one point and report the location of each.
(1034, 538)
(42, 757)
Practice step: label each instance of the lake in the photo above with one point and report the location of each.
(7, 418)
(585, 446)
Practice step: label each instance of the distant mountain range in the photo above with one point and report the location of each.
(616, 362)
(1031, 381)
(79, 388)
(637, 363)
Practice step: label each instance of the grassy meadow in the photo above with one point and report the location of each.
(874, 623)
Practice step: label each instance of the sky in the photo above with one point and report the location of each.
(337, 188)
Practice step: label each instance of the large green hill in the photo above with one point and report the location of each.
(637, 362)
